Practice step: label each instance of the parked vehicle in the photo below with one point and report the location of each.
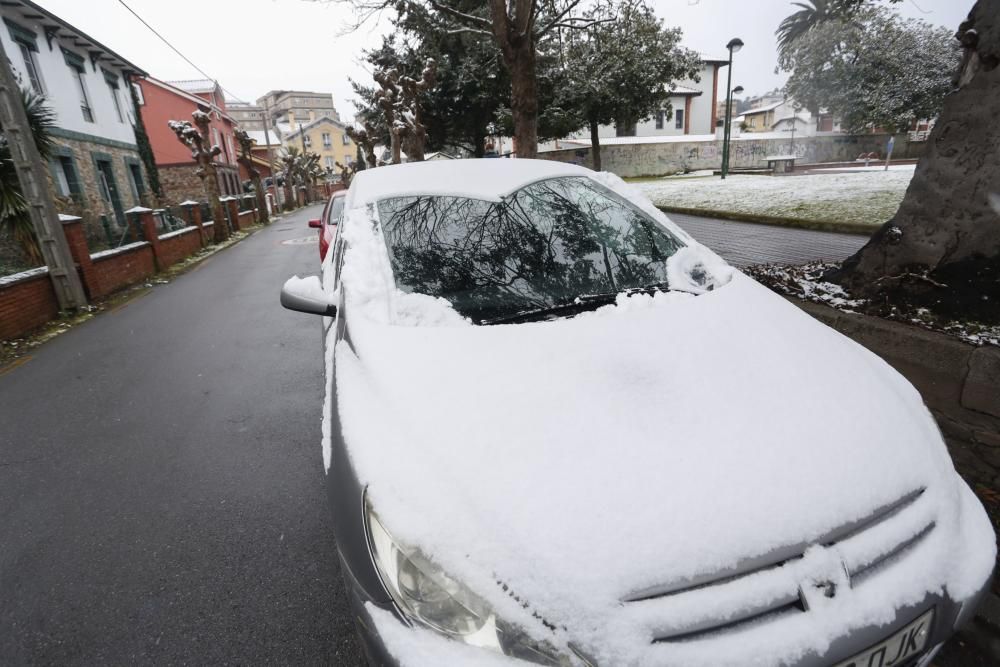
(327, 222)
(558, 429)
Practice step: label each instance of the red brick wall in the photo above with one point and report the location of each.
(244, 219)
(26, 304)
(113, 272)
(175, 248)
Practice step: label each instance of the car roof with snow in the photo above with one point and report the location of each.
(474, 178)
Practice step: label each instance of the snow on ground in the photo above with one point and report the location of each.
(865, 196)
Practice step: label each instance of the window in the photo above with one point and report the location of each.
(76, 65)
(344, 139)
(112, 82)
(326, 140)
(308, 140)
(31, 66)
(67, 182)
(215, 138)
(135, 175)
(679, 119)
(541, 247)
(328, 161)
(659, 119)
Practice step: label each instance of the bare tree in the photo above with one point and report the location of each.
(246, 159)
(388, 99)
(365, 139)
(414, 132)
(196, 138)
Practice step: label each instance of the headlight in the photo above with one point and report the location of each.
(426, 595)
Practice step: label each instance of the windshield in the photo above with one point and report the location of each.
(541, 247)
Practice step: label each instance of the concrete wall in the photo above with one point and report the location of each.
(661, 158)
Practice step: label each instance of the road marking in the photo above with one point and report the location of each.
(11, 366)
(304, 240)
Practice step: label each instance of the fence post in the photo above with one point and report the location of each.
(72, 228)
(147, 223)
(194, 219)
(233, 212)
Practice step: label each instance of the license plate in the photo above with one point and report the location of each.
(895, 650)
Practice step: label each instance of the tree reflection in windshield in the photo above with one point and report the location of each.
(542, 246)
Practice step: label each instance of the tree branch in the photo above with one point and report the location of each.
(468, 19)
(558, 19)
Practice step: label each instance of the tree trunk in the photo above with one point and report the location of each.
(220, 230)
(479, 141)
(520, 60)
(595, 145)
(396, 145)
(942, 248)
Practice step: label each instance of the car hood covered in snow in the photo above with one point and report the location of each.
(580, 461)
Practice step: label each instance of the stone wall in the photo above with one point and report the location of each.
(180, 182)
(89, 204)
(664, 158)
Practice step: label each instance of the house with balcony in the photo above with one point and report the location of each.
(324, 136)
(96, 171)
(163, 101)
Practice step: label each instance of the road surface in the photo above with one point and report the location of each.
(745, 243)
(161, 479)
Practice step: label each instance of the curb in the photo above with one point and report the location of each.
(855, 228)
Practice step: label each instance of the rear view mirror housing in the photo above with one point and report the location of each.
(305, 295)
(316, 224)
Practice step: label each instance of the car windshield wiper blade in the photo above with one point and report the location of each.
(579, 304)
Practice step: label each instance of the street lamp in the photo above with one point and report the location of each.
(734, 45)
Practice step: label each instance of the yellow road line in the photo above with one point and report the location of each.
(11, 366)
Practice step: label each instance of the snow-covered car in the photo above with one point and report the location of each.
(559, 430)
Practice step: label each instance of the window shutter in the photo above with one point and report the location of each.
(21, 34)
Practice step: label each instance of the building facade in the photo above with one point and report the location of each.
(248, 116)
(324, 136)
(291, 106)
(693, 108)
(95, 171)
(163, 101)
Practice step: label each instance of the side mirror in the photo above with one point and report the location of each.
(305, 295)
(316, 224)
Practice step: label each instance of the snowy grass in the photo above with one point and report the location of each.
(868, 197)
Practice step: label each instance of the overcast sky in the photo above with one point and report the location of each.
(252, 46)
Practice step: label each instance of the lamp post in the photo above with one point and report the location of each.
(734, 45)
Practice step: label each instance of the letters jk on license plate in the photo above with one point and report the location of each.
(896, 649)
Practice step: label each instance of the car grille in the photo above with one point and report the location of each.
(865, 548)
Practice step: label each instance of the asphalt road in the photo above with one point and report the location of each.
(161, 479)
(745, 243)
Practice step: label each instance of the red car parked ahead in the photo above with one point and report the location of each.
(327, 223)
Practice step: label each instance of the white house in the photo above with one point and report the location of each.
(96, 169)
(692, 107)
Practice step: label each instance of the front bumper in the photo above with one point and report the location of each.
(948, 617)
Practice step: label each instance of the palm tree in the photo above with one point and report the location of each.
(14, 216)
(811, 14)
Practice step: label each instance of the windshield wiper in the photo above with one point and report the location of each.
(579, 304)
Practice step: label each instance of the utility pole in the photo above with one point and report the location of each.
(31, 174)
(270, 153)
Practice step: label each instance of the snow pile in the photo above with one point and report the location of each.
(308, 287)
(869, 197)
(556, 468)
(694, 270)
